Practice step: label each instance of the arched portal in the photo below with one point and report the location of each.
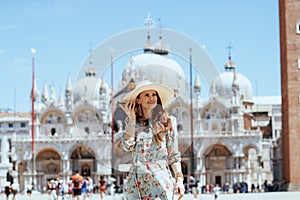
(83, 160)
(217, 160)
(48, 165)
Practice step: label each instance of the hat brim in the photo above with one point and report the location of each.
(165, 93)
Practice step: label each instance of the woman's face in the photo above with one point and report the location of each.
(148, 99)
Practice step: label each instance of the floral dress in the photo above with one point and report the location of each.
(149, 176)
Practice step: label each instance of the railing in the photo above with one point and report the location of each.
(65, 138)
(251, 133)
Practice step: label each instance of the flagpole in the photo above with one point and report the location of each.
(32, 117)
(112, 111)
(192, 116)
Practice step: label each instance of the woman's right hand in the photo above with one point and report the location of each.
(129, 109)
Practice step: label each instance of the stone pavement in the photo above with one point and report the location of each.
(248, 196)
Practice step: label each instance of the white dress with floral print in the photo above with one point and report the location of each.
(149, 176)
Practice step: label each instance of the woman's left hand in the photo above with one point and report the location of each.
(159, 127)
(180, 188)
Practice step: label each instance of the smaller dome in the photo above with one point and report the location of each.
(86, 88)
(230, 65)
(223, 85)
(91, 71)
(161, 48)
(148, 47)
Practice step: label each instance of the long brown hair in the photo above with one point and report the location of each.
(156, 111)
(157, 116)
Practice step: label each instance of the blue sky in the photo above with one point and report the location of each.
(64, 31)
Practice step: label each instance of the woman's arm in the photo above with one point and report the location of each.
(179, 179)
(175, 158)
(128, 139)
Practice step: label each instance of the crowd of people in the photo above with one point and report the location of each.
(196, 188)
(79, 187)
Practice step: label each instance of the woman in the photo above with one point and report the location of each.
(84, 188)
(150, 135)
(52, 187)
(102, 187)
(7, 189)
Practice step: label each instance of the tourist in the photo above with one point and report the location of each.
(102, 187)
(90, 187)
(14, 190)
(77, 181)
(70, 188)
(52, 188)
(216, 191)
(150, 135)
(84, 188)
(7, 189)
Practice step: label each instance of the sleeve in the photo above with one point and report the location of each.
(127, 145)
(174, 154)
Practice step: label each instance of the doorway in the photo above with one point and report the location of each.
(218, 180)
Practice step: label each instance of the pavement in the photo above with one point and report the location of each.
(247, 196)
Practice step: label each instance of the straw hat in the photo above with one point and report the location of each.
(165, 93)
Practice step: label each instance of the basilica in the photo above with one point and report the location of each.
(226, 137)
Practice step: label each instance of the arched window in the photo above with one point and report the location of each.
(53, 131)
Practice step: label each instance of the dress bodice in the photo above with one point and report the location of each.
(147, 149)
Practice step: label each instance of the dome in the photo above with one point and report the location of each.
(223, 85)
(150, 59)
(156, 68)
(86, 88)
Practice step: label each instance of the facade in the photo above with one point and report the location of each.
(229, 136)
(290, 65)
(12, 125)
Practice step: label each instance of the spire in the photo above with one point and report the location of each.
(235, 84)
(68, 95)
(148, 23)
(131, 62)
(52, 95)
(60, 99)
(45, 95)
(102, 86)
(235, 89)
(69, 86)
(161, 47)
(36, 92)
(213, 92)
(91, 71)
(230, 65)
(197, 86)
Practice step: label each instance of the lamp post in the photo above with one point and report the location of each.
(33, 51)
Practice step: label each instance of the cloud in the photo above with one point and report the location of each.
(21, 64)
(50, 9)
(63, 10)
(8, 27)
